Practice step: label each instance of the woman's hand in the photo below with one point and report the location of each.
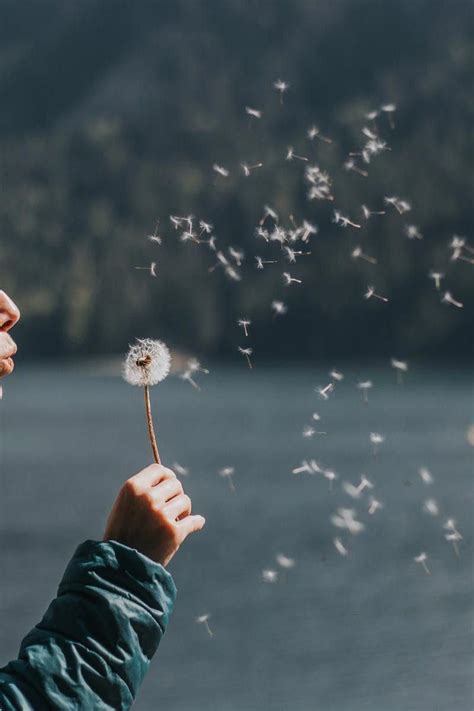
(152, 514)
(9, 315)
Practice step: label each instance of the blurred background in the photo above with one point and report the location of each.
(113, 115)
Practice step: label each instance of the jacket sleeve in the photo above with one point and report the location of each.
(93, 646)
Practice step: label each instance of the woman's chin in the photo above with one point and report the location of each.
(6, 366)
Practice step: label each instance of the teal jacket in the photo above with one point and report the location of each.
(93, 646)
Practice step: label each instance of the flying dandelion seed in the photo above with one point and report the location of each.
(345, 518)
(282, 87)
(261, 262)
(325, 391)
(206, 227)
(155, 236)
(253, 113)
(247, 352)
(436, 276)
(448, 298)
(308, 230)
(152, 269)
(401, 206)
(193, 366)
(147, 363)
(341, 549)
(401, 366)
(364, 386)
(284, 561)
(244, 323)
(232, 274)
(314, 132)
(453, 536)
(315, 416)
(204, 620)
(269, 576)
(357, 253)
(389, 110)
(421, 560)
(425, 475)
(368, 213)
(320, 183)
(340, 219)
(303, 468)
(279, 308)
(331, 476)
(248, 168)
(376, 439)
(431, 507)
(356, 491)
(374, 505)
(237, 255)
(268, 212)
(350, 165)
(290, 154)
(336, 375)
(371, 293)
(220, 170)
(182, 471)
(228, 473)
(412, 232)
(288, 279)
(211, 242)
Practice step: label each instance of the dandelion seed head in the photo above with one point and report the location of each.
(147, 362)
(256, 113)
(399, 364)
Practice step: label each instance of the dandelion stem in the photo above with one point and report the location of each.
(149, 422)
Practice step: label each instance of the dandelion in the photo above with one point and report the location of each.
(421, 559)
(279, 308)
(365, 386)
(155, 236)
(147, 363)
(341, 549)
(269, 576)
(325, 391)
(448, 298)
(350, 164)
(401, 366)
(247, 352)
(248, 168)
(431, 507)
(244, 323)
(412, 232)
(151, 269)
(376, 439)
(314, 132)
(374, 505)
(425, 475)
(336, 375)
(368, 213)
(182, 471)
(282, 87)
(340, 219)
(401, 206)
(436, 276)
(228, 473)
(284, 561)
(345, 518)
(371, 293)
(357, 253)
(290, 154)
(220, 170)
(288, 279)
(204, 620)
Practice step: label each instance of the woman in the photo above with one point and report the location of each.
(93, 646)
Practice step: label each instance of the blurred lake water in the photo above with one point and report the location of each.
(367, 632)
